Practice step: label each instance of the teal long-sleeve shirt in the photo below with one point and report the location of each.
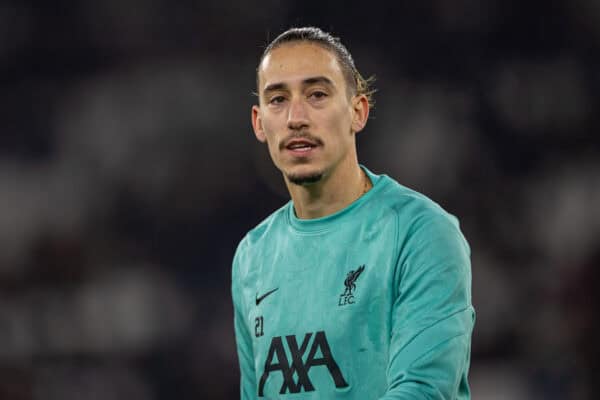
(372, 302)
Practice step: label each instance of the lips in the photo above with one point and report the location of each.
(300, 145)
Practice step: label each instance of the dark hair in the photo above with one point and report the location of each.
(356, 83)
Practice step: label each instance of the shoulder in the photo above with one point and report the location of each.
(274, 224)
(410, 207)
(269, 225)
(420, 222)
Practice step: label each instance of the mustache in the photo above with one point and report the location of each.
(300, 135)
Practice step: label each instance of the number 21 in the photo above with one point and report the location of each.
(258, 326)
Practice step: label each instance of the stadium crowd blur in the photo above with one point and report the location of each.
(129, 172)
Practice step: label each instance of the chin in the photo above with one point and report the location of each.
(304, 178)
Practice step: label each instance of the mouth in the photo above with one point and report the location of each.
(301, 146)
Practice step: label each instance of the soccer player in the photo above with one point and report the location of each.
(358, 288)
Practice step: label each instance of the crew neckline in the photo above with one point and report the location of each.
(317, 225)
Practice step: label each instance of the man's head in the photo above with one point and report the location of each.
(312, 101)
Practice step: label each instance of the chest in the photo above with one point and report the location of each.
(318, 308)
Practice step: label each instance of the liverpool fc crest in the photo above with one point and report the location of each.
(350, 282)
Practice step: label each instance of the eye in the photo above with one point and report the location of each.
(277, 100)
(318, 95)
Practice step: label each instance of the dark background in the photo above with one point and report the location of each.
(129, 172)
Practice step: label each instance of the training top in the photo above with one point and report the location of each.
(371, 302)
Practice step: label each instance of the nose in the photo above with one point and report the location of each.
(297, 115)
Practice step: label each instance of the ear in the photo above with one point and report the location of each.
(360, 114)
(257, 124)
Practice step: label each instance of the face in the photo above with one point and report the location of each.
(305, 113)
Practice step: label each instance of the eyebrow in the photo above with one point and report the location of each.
(308, 81)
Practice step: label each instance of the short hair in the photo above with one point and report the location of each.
(354, 80)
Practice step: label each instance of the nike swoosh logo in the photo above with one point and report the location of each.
(261, 298)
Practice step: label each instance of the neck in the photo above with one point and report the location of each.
(332, 193)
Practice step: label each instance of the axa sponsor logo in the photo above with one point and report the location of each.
(295, 371)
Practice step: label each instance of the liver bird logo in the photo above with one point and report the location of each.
(350, 280)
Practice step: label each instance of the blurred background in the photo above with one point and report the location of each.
(129, 173)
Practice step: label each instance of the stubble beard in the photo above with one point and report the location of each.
(305, 179)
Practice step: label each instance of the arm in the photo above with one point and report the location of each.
(432, 316)
(243, 340)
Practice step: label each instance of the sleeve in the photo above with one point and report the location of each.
(242, 337)
(432, 316)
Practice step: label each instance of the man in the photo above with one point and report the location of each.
(358, 288)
